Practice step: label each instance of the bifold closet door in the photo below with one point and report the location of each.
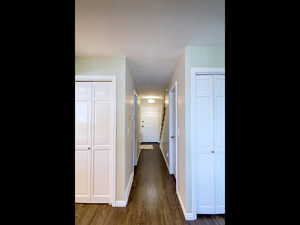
(219, 142)
(94, 142)
(203, 138)
(83, 141)
(102, 141)
(209, 139)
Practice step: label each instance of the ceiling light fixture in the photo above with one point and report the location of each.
(152, 97)
(151, 101)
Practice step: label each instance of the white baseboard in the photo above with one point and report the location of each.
(211, 210)
(190, 216)
(220, 209)
(187, 216)
(120, 204)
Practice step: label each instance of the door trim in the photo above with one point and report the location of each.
(173, 168)
(95, 78)
(194, 72)
(134, 126)
(110, 78)
(207, 70)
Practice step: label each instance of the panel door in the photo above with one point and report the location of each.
(150, 122)
(203, 140)
(219, 141)
(102, 141)
(83, 120)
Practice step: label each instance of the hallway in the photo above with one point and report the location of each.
(152, 200)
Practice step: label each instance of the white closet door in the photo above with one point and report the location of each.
(83, 105)
(203, 139)
(102, 141)
(219, 141)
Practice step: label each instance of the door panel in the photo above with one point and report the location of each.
(83, 141)
(83, 91)
(220, 183)
(205, 187)
(101, 184)
(204, 111)
(219, 141)
(83, 124)
(219, 114)
(102, 141)
(103, 124)
(83, 175)
(103, 91)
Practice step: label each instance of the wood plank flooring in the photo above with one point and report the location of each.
(152, 200)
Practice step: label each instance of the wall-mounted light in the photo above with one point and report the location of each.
(151, 101)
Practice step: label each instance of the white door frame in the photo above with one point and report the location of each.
(111, 78)
(134, 125)
(197, 71)
(173, 99)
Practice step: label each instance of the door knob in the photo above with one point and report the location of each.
(89, 148)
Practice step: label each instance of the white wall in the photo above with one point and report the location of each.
(205, 56)
(201, 56)
(129, 126)
(179, 76)
(116, 66)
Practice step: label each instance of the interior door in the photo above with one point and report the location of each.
(150, 122)
(203, 139)
(83, 139)
(102, 141)
(219, 141)
(172, 132)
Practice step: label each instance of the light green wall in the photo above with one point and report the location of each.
(205, 56)
(197, 56)
(179, 77)
(100, 65)
(111, 66)
(129, 126)
(200, 56)
(193, 56)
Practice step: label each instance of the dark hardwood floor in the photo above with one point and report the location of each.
(152, 200)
